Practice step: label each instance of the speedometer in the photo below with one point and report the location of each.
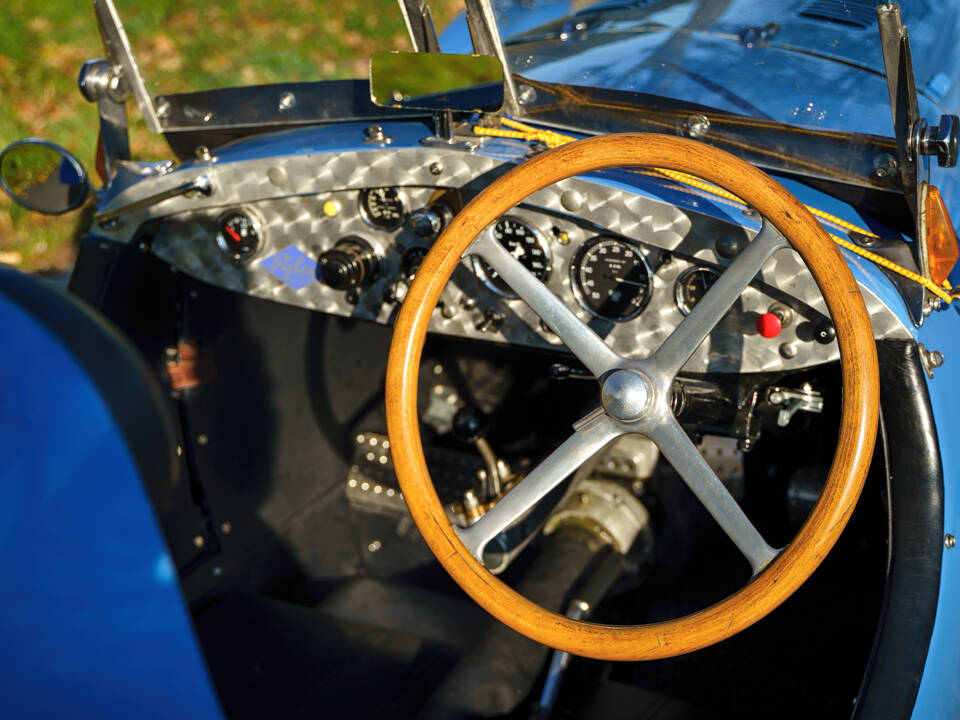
(611, 278)
(525, 244)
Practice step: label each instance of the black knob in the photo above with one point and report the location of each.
(469, 424)
(825, 332)
(940, 140)
(426, 222)
(351, 263)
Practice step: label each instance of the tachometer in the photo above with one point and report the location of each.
(525, 244)
(382, 207)
(692, 285)
(611, 278)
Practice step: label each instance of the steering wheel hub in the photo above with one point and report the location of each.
(626, 395)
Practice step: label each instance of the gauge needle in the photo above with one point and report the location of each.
(232, 232)
(629, 282)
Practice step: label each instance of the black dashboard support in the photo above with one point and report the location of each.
(915, 484)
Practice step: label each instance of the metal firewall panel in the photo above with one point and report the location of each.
(93, 621)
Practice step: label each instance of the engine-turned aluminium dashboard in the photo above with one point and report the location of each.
(344, 233)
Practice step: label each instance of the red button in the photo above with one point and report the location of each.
(769, 325)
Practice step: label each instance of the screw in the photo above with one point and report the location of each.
(374, 134)
(288, 101)
(226, 528)
(788, 350)
(949, 541)
(374, 546)
(696, 125)
(202, 439)
(436, 168)
(198, 541)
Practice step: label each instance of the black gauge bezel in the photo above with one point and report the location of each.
(371, 221)
(478, 264)
(578, 261)
(225, 248)
(678, 291)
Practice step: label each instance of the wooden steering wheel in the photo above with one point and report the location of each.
(635, 398)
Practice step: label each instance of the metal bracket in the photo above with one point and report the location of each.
(487, 41)
(914, 137)
(790, 402)
(419, 22)
(121, 59)
(110, 82)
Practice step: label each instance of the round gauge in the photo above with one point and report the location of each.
(611, 279)
(382, 207)
(525, 244)
(692, 285)
(238, 235)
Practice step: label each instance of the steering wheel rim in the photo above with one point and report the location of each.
(781, 575)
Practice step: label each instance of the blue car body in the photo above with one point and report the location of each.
(122, 644)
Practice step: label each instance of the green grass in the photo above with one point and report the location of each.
(181, 45)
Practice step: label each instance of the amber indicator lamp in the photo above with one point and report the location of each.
(942, 250)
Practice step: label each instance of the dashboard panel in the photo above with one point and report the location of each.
(630, 264)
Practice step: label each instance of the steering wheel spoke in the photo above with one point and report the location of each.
(590, 435)
(683, 455)
(583, 342)
(683, 342)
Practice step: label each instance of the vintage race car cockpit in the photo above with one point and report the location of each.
(563, 373)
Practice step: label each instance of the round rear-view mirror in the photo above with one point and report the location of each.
(42, 176)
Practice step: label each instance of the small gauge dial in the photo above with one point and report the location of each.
(238, 235)
(382, 207)
(692, 285)
(611, 279)
(525, 244)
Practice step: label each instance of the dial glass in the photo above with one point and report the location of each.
(382, 207)
(611, 278)
(692, 285)
(525, 244)
(238, 235)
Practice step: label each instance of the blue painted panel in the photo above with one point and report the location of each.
(93, 622)
(939, 695)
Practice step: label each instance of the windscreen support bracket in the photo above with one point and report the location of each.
(487, 41)
(419, 22)
(915, 138)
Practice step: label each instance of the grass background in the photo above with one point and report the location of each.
(181, 45)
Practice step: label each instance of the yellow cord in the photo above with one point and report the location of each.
(522, 131)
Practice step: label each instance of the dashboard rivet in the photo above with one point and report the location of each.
(331, 208)
(277, 176)
(788, 350)
(949, 541)
(198, 541)
(202, 439)
(436, 168)
(571, 200)
(374, 546)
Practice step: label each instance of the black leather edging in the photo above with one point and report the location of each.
(116, 369)
(890, 684)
